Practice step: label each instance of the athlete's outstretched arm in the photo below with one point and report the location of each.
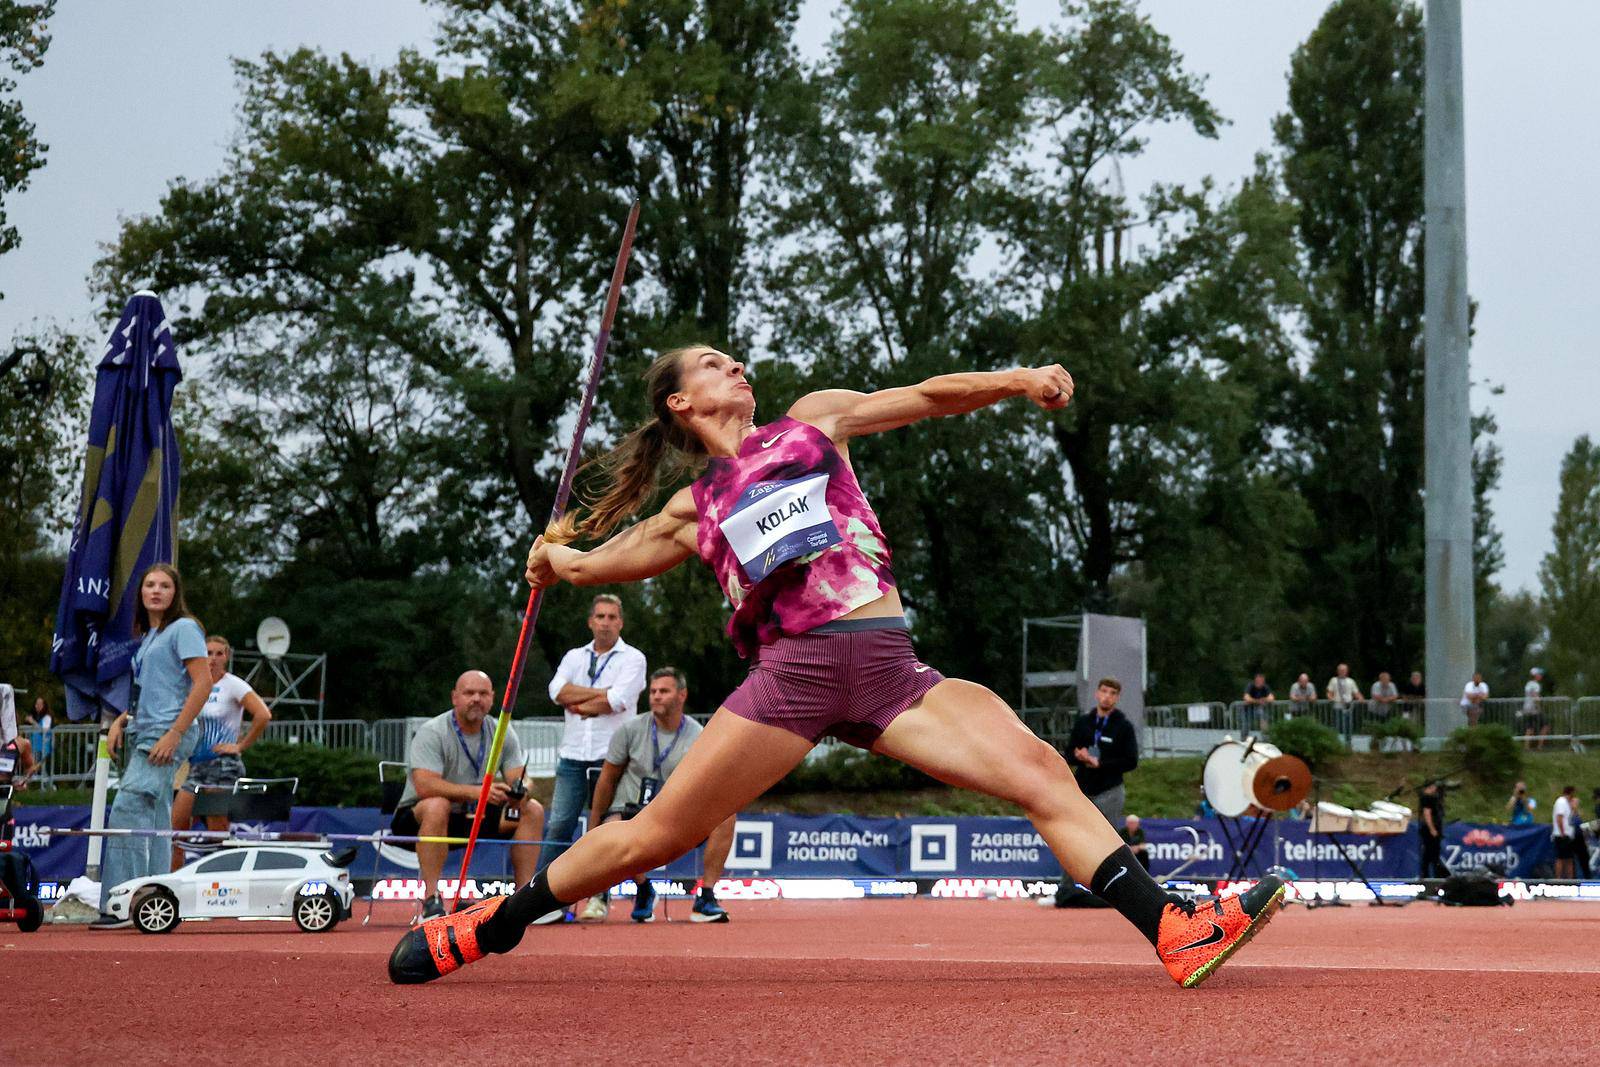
(845, 413)
(643, 550)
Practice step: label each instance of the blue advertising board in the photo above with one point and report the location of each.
(844, 846)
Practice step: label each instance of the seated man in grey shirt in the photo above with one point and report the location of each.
(444, 774)
(643, 754)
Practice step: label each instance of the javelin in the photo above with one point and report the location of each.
(530, 614)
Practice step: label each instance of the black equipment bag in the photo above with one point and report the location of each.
(1474, 889)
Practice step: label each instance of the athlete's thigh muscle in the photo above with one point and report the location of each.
(962, 734)
(731, 763)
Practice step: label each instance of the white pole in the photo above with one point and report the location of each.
(1450, 639)
(102, 784)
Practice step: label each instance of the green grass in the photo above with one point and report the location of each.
(55, 796)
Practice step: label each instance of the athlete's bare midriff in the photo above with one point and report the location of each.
(887, 606)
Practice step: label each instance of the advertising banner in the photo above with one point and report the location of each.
(865, 849)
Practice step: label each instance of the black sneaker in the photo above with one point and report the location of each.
(432, 908)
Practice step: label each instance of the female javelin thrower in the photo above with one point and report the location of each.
(780, 518)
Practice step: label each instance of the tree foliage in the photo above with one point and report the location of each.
(43, 416)
(23, 42)
(387, 293)
(1570, 572)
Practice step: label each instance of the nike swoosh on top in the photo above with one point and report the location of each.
(1120, 872)
(1216, 935)
(769, 444)
(919, 669)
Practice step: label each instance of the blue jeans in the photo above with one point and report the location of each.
(144, 802)
(570, 798)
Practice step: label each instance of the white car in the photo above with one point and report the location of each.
(307, 883)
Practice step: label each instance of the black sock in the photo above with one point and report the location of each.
(706, 893)
(503, 930)
(1121, 882)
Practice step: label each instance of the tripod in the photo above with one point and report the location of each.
(1350, 861)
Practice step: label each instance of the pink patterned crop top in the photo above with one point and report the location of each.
(789, 534)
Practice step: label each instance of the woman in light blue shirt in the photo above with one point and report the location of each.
(171, 684)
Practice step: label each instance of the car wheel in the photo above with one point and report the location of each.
(156, 912)
(32, 915)
(316, 914)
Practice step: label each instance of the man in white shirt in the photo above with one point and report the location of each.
(1534, 725)
(1473, 696)
(1343, 692)
(598, 685)
(1564, 830)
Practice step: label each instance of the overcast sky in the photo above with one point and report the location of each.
(132, 96)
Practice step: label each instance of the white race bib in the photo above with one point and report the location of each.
(773, 522)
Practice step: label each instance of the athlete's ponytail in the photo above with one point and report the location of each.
(633, 470)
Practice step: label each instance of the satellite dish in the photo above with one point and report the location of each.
(272, 637)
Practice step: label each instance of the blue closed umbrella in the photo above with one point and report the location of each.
(127, 518)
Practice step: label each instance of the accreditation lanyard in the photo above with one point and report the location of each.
(661, 757)
(597, 666)
(1100, 728)
(483, 746)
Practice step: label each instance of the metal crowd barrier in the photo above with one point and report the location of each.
(67, 759)
(329, 733)
(1188, 728)
(1183, 729)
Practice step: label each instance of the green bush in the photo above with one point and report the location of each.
(1308, 739)
(1489, 752)
(1399, 726)
(844, 769)
(329, 777)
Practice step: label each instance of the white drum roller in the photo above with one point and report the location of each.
(1240, 775)
(1331, 818)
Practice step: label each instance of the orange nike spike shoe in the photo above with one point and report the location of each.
(1192, 943)
(441, 945)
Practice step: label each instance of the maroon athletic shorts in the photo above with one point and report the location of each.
(849, 678)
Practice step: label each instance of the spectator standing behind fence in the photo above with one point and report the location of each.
(1384, 694)
(43, 724)
(1564, 831)
(1430, 830)
(444, 777)
(1258, 694)
(1343, 692)
(598, 686)
(1101, 748)
(1520, 807)
(1535, 727)
(1472, 698)
(643, 755)
(218, 759)
(1302, 694)
(171, 683)
(1133, 836)
(1413, 697)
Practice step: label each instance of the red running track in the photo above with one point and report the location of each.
(787, 982)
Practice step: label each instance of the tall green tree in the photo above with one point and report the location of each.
(1570, 573)
(1352, 163)
(398, 270)
(43, 410)
(24, 37)
(1351, 149)
(1170, 306)
(902, 140)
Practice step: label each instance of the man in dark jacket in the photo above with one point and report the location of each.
(1101, 749)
